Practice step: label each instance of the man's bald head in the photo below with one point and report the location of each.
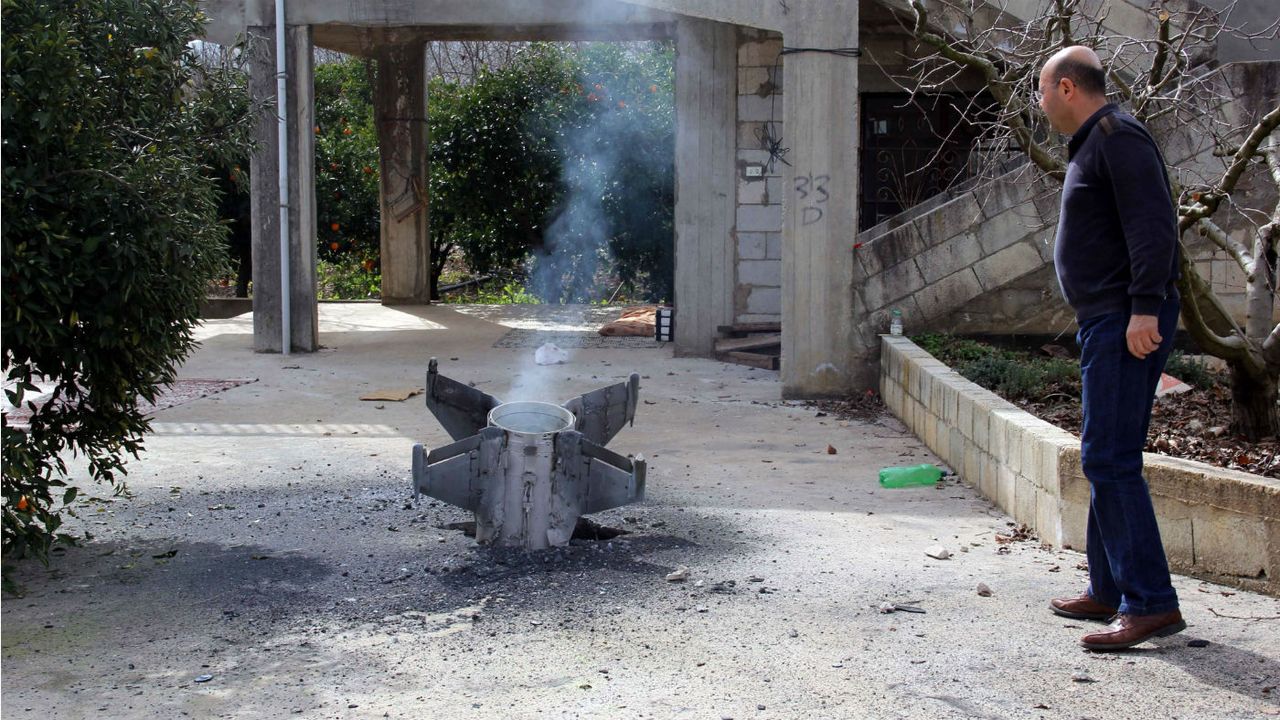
(1072, 87)
(1081, 66)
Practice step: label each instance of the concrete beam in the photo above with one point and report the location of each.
(227, 18)
(363, 41)
(763, 14)
(265, 212)
(400, 108)
(821, 355)
(705, 183)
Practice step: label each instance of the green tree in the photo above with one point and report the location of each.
(347, 204)
(564, 156)
(110, 233)
(616, 203)
(494, 180)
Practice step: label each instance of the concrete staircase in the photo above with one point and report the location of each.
(975, 260)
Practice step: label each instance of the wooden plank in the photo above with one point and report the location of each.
(748, 343)
(766, 362)
(753, 327)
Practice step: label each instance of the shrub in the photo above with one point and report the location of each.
(110, 233)
(348, 277)
(565, 155)
(1192, 371)
(1011, 374)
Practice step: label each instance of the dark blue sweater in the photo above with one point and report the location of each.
(1117, 246)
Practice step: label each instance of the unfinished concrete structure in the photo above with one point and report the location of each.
(773, 182)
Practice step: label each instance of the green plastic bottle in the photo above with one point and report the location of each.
(898, 477)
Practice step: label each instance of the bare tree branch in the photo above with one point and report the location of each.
(1196, 294)
(1206, 228)
(1000, 90)
(1172, 82)
(1208, 203)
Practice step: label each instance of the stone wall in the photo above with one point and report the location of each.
(969, 261)
(1215, 523)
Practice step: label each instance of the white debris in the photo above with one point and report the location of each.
(937, 552)
(1170, 385)
(679, 575)
(550, 354)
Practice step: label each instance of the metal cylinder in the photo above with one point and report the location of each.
(526, 505)
(530, 417)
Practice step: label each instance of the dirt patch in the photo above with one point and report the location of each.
(1190, 425)
(865, 407)
(1046, 383)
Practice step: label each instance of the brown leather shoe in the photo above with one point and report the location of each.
(1081, 608)
(1129, 630)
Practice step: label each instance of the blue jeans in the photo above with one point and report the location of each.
(1127, 566)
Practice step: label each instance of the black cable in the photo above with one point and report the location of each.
(852, 52)
(764, 135)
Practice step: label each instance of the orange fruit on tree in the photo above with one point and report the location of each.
(334, 246)
(23, 505)
(335, 227)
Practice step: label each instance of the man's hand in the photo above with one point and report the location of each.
(1143, 335)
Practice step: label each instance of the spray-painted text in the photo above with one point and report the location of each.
(812, 191)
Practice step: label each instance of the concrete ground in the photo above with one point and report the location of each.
(271, 564)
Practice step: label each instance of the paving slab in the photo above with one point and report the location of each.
(270, 562)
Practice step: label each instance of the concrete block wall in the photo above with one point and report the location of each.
(758, 294)
(1010, 456)
(1219, 524)
(934, 263)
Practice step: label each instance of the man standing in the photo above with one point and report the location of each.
(1117, 262)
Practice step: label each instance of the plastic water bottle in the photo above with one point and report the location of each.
(895, 324)
(913, 475)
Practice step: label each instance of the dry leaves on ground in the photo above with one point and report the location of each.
(1190, 425)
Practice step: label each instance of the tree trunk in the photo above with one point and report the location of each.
(1253, 405)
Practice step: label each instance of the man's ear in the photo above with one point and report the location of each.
(1068, 87)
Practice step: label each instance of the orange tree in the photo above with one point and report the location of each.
(110, 234)
(346, 169)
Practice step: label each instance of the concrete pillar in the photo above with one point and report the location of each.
(705, 183)
(821, 354)
(400, 108)
(304, 322)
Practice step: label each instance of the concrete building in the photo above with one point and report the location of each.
(781, 160)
